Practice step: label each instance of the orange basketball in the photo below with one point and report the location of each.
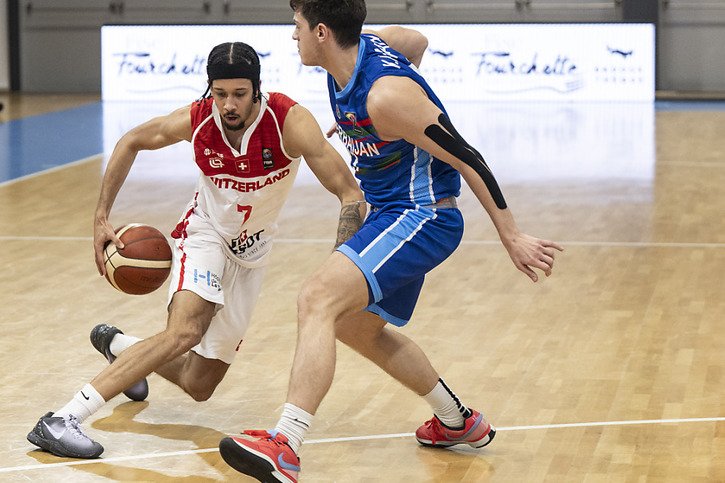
(143, 264)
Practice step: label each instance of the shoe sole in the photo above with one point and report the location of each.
(56, 448)
(484, 441)
(138, 391)
(253, 464)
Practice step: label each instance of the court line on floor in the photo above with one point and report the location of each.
(691, 164)
(371, 437)
(314, 241)
(51, 170)
(565, 243)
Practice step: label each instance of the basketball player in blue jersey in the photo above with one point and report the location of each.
(409, 159)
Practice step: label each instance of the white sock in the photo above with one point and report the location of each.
(86, 402)
(447, 406)
(294, 424)
(121, 342)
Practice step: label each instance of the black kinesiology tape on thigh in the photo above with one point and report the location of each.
(456, 146)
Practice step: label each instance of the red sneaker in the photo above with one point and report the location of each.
(269, 458)
(476, 432)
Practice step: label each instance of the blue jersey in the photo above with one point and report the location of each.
(389, 172)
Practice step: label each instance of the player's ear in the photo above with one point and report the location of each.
(322, 32)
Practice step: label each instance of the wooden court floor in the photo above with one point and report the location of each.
(612, 370)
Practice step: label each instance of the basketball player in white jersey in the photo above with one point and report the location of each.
(248, 146)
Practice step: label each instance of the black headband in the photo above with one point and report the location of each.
(233, 71)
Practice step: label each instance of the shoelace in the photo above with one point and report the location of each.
(257, 433)
(433, 423)
(264, 434)
(278, 440)
(74, 427)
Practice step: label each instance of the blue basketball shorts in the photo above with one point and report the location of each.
(395, 248)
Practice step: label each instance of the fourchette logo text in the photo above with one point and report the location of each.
(503, 62)
(493, 62)
(145, 63)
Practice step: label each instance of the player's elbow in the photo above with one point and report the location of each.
(131, 142)
(420, 43)
(351, 194)
(418, 46)
(344, 186)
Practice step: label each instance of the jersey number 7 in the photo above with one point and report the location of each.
(247, 210)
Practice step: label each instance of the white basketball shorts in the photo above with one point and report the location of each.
(202, 265)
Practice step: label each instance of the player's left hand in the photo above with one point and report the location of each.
(528, 252)
(332, 130)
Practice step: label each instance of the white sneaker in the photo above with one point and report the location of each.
(63, 437)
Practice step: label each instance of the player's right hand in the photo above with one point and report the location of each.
(103, 232)
(528, 252)
(332, 130)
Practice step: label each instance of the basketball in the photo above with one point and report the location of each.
(143, 264)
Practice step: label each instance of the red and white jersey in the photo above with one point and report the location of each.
(240, 193)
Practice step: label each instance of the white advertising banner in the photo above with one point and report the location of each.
(469, 62)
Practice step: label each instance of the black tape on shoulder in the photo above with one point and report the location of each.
(456, 146)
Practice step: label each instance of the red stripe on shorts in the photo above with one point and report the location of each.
(183, 235)
(181, 274)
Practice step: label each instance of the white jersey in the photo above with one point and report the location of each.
(240, 193)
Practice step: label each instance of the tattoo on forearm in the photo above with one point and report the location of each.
(351, 218)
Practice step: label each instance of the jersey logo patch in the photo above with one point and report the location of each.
(243, 166)
(216, 163)
(356, 129)
(267, 161)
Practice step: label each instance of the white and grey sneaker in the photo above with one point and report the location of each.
(63, 437)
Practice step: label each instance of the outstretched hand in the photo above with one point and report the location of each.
(103, 232)
(528, 252)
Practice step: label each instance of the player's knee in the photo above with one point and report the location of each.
(201, 396)
(199, 390)
(184, 338)
(309, 294)
(188, 318)
(313, 299)
(190, 338)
